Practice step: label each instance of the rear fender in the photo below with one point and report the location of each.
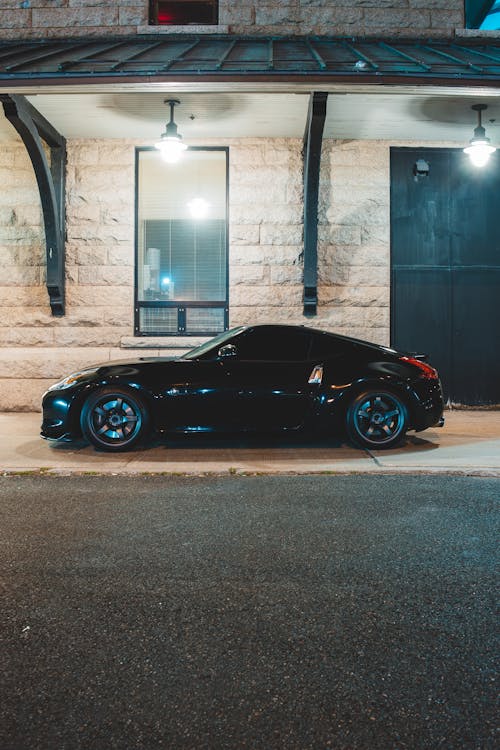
(336, 407)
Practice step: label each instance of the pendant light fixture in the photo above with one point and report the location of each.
(479, 148)
(171, 145)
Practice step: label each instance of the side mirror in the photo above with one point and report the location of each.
(228, 350)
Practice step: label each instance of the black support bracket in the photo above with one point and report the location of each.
(313, 139)
(33, 128)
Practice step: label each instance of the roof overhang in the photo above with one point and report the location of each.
(183, 60)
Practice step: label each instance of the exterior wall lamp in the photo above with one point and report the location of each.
(171, 146)
(479, 148)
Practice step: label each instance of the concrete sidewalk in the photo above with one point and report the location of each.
(469, 443)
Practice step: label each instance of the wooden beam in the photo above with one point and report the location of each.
(313, 139)
(33, 127)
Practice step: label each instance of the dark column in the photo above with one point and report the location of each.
(313, 138)
(33, 127)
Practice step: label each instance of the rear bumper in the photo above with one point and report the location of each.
(429, 406)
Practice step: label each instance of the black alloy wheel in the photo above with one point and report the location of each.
(377, 419)
(114, 419)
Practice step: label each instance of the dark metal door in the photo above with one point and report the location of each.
(445, 256)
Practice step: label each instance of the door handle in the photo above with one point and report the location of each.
(316, 376)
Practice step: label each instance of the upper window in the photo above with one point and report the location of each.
(183, 12)
(274, 344)
(182, 246)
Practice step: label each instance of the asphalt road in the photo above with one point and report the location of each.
(248, 612)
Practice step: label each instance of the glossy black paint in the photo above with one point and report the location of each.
(260, 382)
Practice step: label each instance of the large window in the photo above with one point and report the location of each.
(182, 12)
(182, 246)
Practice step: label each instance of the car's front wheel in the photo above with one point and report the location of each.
(114, 420)
(377, 419)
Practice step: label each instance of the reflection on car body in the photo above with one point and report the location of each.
(262, 378)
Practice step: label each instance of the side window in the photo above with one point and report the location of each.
(183, 12)
(324, 346)
(275, 344)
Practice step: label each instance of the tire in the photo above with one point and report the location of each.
(114, 420)
(377, 419)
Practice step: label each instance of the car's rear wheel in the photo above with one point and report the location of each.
(377, 419)
(114, 420)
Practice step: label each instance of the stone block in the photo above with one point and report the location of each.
(51, 363)
(105, 276)
(287, 274)
(346, 296)
(25, 399)
(229, 14)
(247, 193)
(13, 19)
(447, 19)
(93, 16)
(22, 295)
(281, 234)
(95, 234)
(240, 316)
(86, 255)
(265, 254)
(431, 4)
(376, 234)
(133, 16)
(121, 256)
(20, 276)
(92, 336)
(28, 336)
(28, 317)
(99, 296)
(397, 19)
(18, 195)
(335, 234)
(83, 153)
(119, 316)
(18, 255)
(372, 211)
(266, 214)
(354, 276)
(248, 234)
(123, 215)
(266, 296)
(251, 274)
(282, 13)
(355, 255)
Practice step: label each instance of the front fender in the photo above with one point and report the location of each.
(86, 389)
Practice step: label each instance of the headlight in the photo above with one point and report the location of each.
(75, 377)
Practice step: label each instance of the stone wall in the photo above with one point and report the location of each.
(63, 18)
(265, 254)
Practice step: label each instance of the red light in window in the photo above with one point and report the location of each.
(164, 17)
(426, 371)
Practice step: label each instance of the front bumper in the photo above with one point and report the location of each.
(56, 416)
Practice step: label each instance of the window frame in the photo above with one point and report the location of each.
(181, 305)
(154, 9)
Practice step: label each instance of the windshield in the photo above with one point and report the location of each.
(214, 343)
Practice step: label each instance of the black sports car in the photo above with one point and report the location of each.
(265, 377)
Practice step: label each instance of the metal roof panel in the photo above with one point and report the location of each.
(239, 56)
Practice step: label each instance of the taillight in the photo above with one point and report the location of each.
(426, 371)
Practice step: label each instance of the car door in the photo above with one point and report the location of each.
(270, 377)
(198, 396)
